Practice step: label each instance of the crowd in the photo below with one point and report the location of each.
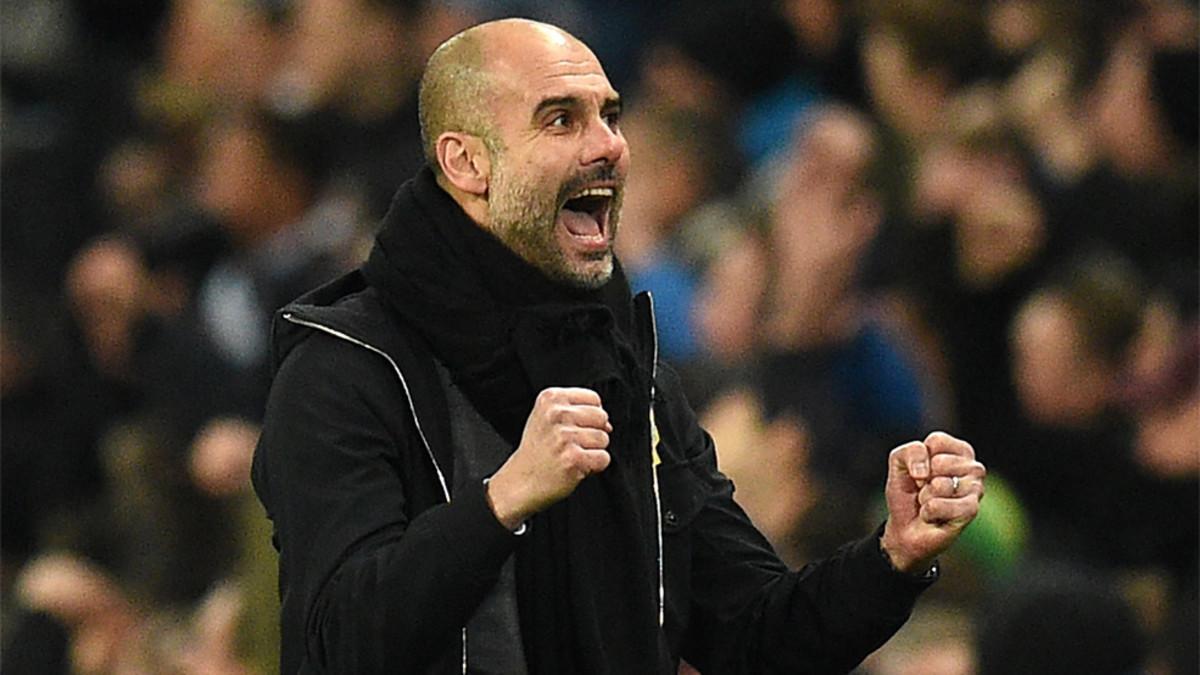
(860, 219)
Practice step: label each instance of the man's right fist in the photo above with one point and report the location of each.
(565, 440)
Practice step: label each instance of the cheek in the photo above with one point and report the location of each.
(529, 177)
(624, 162)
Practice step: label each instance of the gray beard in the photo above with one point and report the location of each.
(526, 223)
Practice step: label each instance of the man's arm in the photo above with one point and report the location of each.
(364, 588)
(750, 614)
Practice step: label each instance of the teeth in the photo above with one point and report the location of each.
(594, 192)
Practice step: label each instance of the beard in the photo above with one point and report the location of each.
(523, 214)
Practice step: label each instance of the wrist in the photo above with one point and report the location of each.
(500, 502)
(902, 562)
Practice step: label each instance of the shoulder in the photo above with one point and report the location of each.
(346, 308)
(343, 341)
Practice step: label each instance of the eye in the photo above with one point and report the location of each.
(560, 121)
(612, 119)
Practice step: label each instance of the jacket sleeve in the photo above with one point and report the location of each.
(749, 613)
(364, 588)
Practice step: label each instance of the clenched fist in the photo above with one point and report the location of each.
(565, 440)
(933, 492)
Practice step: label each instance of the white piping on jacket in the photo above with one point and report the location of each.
(654, 469)
(288, 316)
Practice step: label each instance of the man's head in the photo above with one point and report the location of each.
(519, 122)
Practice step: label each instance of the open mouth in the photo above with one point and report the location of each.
(585, 214)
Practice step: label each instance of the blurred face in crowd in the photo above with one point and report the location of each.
(1124, 117)
(232, 168)
(558, 159)
(327, 42)
(221, 49)
(240, 183)
(1060, 382)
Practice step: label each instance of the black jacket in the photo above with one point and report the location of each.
(381, 566)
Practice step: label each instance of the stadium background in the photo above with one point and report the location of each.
(862, 220)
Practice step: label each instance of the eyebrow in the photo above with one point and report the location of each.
(611, 104)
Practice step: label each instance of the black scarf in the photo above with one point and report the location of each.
(587, 573)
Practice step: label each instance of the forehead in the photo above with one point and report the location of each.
(549, 65)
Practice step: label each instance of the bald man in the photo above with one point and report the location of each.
(475, 461)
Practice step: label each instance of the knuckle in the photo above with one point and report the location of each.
(937, 437)
(556, 412)
(572, 459)
(561, 435)
(903, 451)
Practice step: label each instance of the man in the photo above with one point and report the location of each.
(474, 461)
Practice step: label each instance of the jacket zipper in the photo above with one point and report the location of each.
(291, 317)
(654, 469)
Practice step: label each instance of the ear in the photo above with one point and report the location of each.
(465, 162)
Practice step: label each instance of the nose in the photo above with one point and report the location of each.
(604, 143)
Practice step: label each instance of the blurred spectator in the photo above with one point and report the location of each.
(262, 181)
(64, 101)
(1164, 398)
(195, 359)
(729, 301)
(1072, 342)
(351, 70)
(734, 62)
(1057, 620)
(81, 602)
(1142, 198)
(827, 360)
(1115, 130)
(219, 53)
(823, 362)
(977, 242)
(915, 54)
(673, 177)
(828, 33)
(768, 461)
(937, 640)
(53, 417)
